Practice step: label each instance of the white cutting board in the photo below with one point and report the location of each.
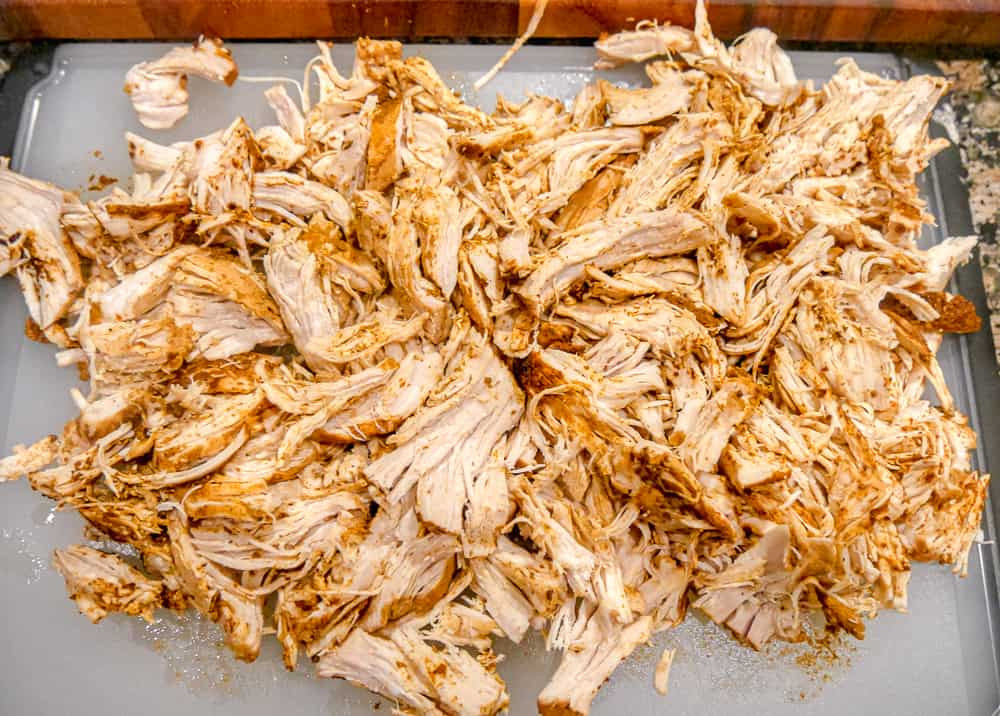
(938, 659)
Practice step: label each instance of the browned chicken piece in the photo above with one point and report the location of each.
(102, 583)
(392, 377)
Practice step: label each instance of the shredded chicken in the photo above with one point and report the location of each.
(391, 377)
(158, 89)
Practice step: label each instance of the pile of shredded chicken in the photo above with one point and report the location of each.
(394, 377)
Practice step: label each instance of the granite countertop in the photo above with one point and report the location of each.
(974, 107)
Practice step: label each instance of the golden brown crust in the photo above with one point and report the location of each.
(957, 314)
(382, 167)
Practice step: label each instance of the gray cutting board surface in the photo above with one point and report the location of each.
(938, 659)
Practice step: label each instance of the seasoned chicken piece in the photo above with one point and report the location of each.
(226, 305)
(588, 661)
(666, 170)
(222, 421)
(135, 352)
(462, 685)
(671, 94)
(576, 157)
(772, 290)
(383, 410)
(591, 200)
(537, 577)
(49, 272)
(320, 610)
(489, 507)
(148, 156)
(764, 68)
(381, 666)
(302, 290)
(670, 330)
(441, 448)
(402, 262)
(440, 219)
(435, 96)
(158, 89)
(724, 276)
(503, 600)
(278, 150)
(569, 394)
(318, 402)
(463, 624)
(384, 162)
(702, 445)
(289, 195)
(100, 583)
(364, 339)
(141, 291)
(857, 363)
(257, 460)
(661, 678)
(607, 245)
(99, 417)
(10, 254)
(222, 170)
(417, 575)
(648, 40)
(589, 109)
(289, 115)
(29, 459)
(217, 596)
(299, 531)
(942, 259)
(300, 394)
(751, 596)
(425, 147)
(373, 218)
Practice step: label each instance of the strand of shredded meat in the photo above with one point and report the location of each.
(392, 377)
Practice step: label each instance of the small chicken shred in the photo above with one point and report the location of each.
(392, 377)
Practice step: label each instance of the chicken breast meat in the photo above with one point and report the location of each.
(391, 377)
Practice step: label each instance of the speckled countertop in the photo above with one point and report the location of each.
(975, 102)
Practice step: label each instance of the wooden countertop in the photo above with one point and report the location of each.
(970, 22)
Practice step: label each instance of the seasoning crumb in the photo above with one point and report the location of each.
(99, 182)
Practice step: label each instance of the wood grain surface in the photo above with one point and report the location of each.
(972, 22)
